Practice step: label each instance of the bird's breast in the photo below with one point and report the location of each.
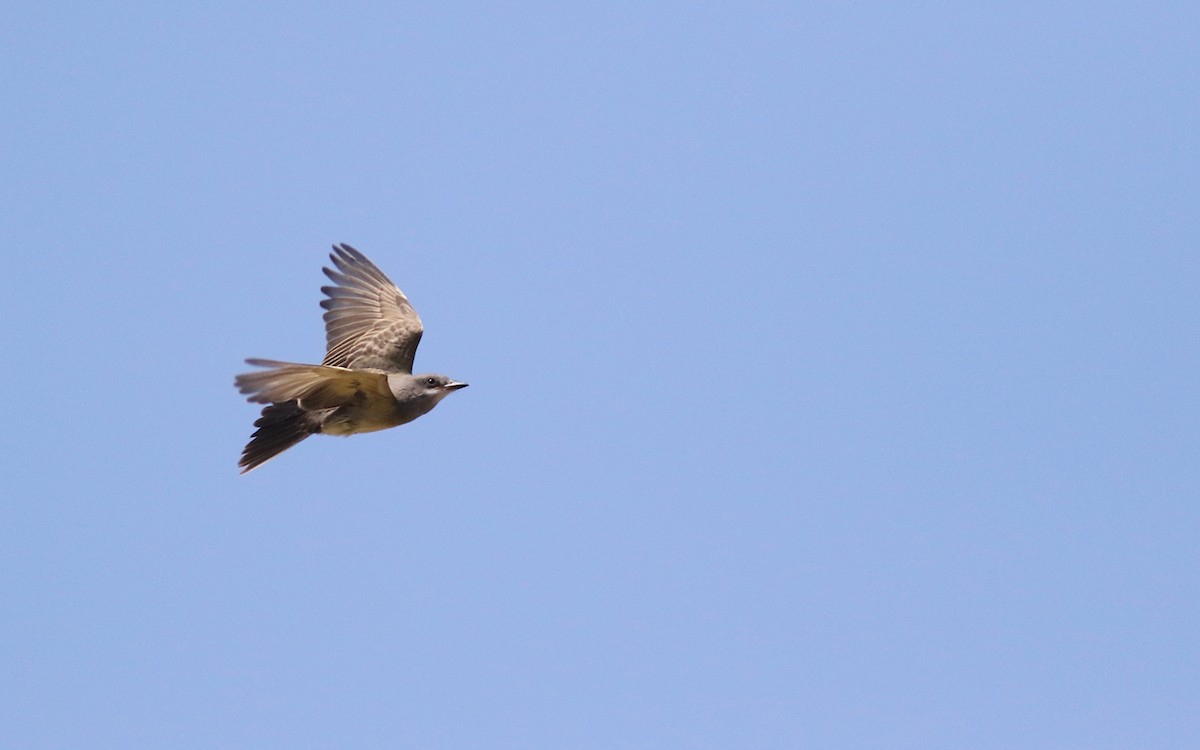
(366, 413)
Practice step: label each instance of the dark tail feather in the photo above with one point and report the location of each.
(280, 427)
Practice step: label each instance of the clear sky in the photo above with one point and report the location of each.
(834, 374)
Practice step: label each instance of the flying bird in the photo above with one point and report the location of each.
(366, 381)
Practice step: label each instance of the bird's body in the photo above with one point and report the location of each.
(365, 382)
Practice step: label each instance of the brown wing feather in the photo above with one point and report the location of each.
(369, 323)
(315, 387)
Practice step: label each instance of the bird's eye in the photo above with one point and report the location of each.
(430, 382)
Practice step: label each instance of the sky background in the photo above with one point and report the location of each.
(833, 375)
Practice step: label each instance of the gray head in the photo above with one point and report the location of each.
(425, 390)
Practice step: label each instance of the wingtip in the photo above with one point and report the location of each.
(344, 258)
(346, 253)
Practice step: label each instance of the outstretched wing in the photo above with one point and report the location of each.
(315, 387)
(369, 323)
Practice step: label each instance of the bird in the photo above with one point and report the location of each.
(364, 384)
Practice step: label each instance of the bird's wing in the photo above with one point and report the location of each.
(369, 323)
(314, 386)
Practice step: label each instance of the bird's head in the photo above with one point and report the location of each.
(425, 387)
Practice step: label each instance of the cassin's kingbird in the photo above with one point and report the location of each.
(366, 381)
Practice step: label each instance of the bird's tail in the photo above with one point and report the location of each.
(280, 427)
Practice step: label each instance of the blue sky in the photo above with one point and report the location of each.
(833, 376)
